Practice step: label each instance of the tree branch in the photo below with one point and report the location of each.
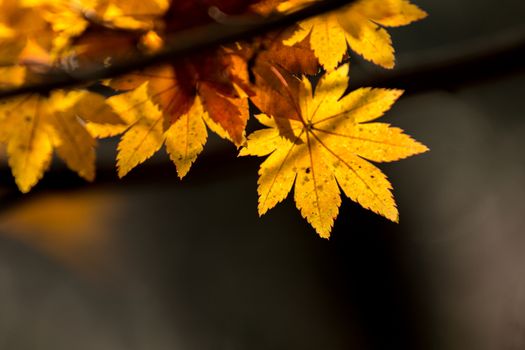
(182, 44)
(450, 67)
(499, 56)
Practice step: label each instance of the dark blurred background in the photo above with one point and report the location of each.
(151, 262)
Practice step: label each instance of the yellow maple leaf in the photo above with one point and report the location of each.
(361, 25)
(333, 141)
(54, 25)
(143, 128)
(32, 126)
(185, 139)
(146, 130)
(180, 108)
(67, 20)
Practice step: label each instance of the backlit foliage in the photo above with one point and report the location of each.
(317, 140)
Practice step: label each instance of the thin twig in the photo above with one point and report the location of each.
(450, 67)
(182, 44)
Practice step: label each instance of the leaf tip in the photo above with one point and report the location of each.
(388, 64)
(24, 188)
(243, 152)
(25, 183)
(262, 209)
(89, 175)
(122, 171)
(397, 93)
(181, 174)
(420, 148)
(392, 214)
(324, 235)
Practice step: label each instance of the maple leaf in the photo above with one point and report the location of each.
(69, 32)
(173, 104)
(215, 77)
(276, 92)
(361, 25)
(272, 66)
(78, 27)
(65, 19)
(334, 142)
(145, 131)
(32, 126)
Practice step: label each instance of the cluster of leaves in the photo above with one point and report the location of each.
(321, 141)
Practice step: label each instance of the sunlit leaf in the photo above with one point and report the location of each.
(334, 138)
(360, 25)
